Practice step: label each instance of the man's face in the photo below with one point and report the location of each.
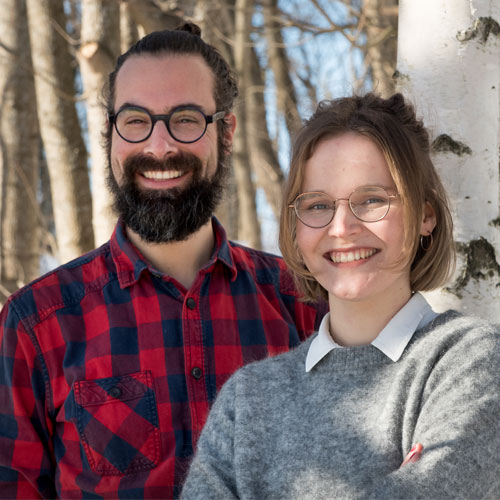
(166, 190)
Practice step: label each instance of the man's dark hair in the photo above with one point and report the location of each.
(186, 39)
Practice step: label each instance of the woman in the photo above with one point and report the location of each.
(366, 224)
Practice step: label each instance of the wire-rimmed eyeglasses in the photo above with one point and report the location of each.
(367, 203)
(185, 124)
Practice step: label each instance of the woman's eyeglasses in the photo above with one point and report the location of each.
(367, 203)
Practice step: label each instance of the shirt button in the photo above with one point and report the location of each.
(115, 392)
(197, 372)
(191, 303)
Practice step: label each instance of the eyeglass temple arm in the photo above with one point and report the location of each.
(216, 116)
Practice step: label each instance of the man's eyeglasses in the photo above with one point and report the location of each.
(185, 124)
(367, 203)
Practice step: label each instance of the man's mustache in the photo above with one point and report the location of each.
(181, 162)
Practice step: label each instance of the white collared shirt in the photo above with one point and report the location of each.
(392, 340)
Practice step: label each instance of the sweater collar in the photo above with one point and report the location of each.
(392, 340)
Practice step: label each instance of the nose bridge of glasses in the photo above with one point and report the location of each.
(166, 126)
(348, 207)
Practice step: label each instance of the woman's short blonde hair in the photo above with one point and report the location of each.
(403, 139)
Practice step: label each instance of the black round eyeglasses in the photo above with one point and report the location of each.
(185, 124)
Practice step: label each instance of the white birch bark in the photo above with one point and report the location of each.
(449, 64)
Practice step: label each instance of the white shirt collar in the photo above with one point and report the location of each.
(392, 340)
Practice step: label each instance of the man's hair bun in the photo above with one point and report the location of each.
(192, 28)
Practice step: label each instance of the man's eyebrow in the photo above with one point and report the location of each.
(130, 105)
(180, 105)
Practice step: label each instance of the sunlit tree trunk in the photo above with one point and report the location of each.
(60, 128)
(19, 149)
(100, 45)
(216, 21)
(249, 228)
(449, 63)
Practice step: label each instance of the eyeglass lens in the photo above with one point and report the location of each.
(184, 125)
(368, 204)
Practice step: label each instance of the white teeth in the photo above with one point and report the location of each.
(162, 175)
(352, 256)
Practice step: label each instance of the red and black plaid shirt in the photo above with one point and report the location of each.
(108, 368)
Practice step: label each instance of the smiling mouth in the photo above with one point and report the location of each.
(341, 257)
(162, 175)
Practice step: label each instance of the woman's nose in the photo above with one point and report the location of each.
(344, 221)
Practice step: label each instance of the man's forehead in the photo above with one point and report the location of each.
(165, 76)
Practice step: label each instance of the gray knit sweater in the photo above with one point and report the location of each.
(343, 429)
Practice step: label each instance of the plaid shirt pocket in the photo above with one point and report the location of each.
(117, 421)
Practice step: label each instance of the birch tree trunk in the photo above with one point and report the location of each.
(449, 64)
(60, 128)
(19, 149)
(100, 45)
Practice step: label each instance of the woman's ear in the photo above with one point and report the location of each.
(428, 220)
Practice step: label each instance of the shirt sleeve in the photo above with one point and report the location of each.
(26, 469)
(212, 475)
(458, 425)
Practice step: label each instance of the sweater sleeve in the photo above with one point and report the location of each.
(212, 474)
(458, 425)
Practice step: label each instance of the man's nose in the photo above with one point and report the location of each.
(160, 143)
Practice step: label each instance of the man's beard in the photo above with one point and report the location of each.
(161, 216)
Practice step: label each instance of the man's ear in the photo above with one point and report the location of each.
(230, 119)
(428, 220)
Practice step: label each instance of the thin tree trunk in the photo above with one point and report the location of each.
(128, 28)
(381, 42)
(278, 62)
(249, 228)
(19, 147)
(457, 92)
(263, 156)
(60, 128)
(100, 45)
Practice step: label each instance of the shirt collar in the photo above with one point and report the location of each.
(392, 340)
(130, 263)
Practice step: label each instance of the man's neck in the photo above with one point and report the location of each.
(180, 260)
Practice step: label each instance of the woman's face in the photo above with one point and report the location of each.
(351, 258)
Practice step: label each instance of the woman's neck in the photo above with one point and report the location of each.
(359, 323)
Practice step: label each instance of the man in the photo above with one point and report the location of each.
(109, 363)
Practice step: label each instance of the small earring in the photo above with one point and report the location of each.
(426, 246)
